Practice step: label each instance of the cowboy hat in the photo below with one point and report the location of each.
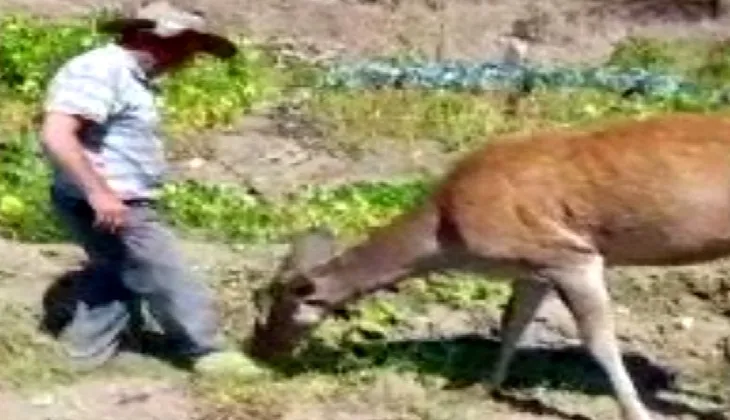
(165, 19)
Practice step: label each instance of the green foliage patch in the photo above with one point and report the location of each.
(459, 121)
(706, 62)
(231, 214)
(215, 212)
(210, 94)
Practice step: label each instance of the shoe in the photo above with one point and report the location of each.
(227, 363)
(84, 354)
(84, 361)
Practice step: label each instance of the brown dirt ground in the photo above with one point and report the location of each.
(258, 153)
(118, 398)
(669, 322)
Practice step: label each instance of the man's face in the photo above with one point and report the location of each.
(174, 52)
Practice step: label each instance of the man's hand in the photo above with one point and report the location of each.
(111, 212)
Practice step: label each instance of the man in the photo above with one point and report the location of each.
(99, 132)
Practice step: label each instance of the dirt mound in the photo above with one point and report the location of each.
(566, 30)
(273, 163)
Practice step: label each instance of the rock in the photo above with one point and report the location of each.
(131, 397)
(684, 323)
(43, 400)
(196, 163)
(695, 353)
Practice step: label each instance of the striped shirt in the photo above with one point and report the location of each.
(107, 86)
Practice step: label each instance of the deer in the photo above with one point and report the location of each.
(551, 210)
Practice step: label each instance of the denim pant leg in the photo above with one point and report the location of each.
(154, 269)
(102, 302)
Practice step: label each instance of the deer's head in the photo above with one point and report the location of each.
(288, 308)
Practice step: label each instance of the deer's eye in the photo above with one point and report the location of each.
(301, 287)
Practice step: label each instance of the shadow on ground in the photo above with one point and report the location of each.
(59, 303)
(465, 361)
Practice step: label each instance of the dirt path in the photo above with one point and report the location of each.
(109, 399)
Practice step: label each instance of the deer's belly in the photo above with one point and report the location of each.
(685, 242)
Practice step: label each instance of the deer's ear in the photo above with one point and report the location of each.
(311, 248)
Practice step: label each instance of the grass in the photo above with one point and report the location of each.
(25, 356)
(356, 120)
(701, 61)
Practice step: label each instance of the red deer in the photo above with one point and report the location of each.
(553, 209)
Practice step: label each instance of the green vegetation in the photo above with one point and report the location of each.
(210, 94)
(229, 214)
(703, 62)
(24, 211)
(26, 356)
(460, 120)
(216, 212)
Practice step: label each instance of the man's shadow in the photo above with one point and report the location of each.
(59, 303)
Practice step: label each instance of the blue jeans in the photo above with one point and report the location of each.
(141, 264)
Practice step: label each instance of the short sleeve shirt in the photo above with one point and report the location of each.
(107, 86)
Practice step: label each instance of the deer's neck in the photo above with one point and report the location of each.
(386, 257)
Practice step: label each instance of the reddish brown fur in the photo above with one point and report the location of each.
(652, 192)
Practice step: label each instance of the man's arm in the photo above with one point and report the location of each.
(80, 93)
(60, 138)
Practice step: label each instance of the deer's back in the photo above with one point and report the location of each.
(656, 191)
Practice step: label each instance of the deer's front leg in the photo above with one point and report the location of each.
(527, 295)
(582, 289)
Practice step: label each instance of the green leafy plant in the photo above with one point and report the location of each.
(215, 93)
(31, 50)
(24, 208)
(642, 52)
(228, 213)
(715, 69)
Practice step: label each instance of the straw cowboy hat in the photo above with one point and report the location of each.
(167, 19)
